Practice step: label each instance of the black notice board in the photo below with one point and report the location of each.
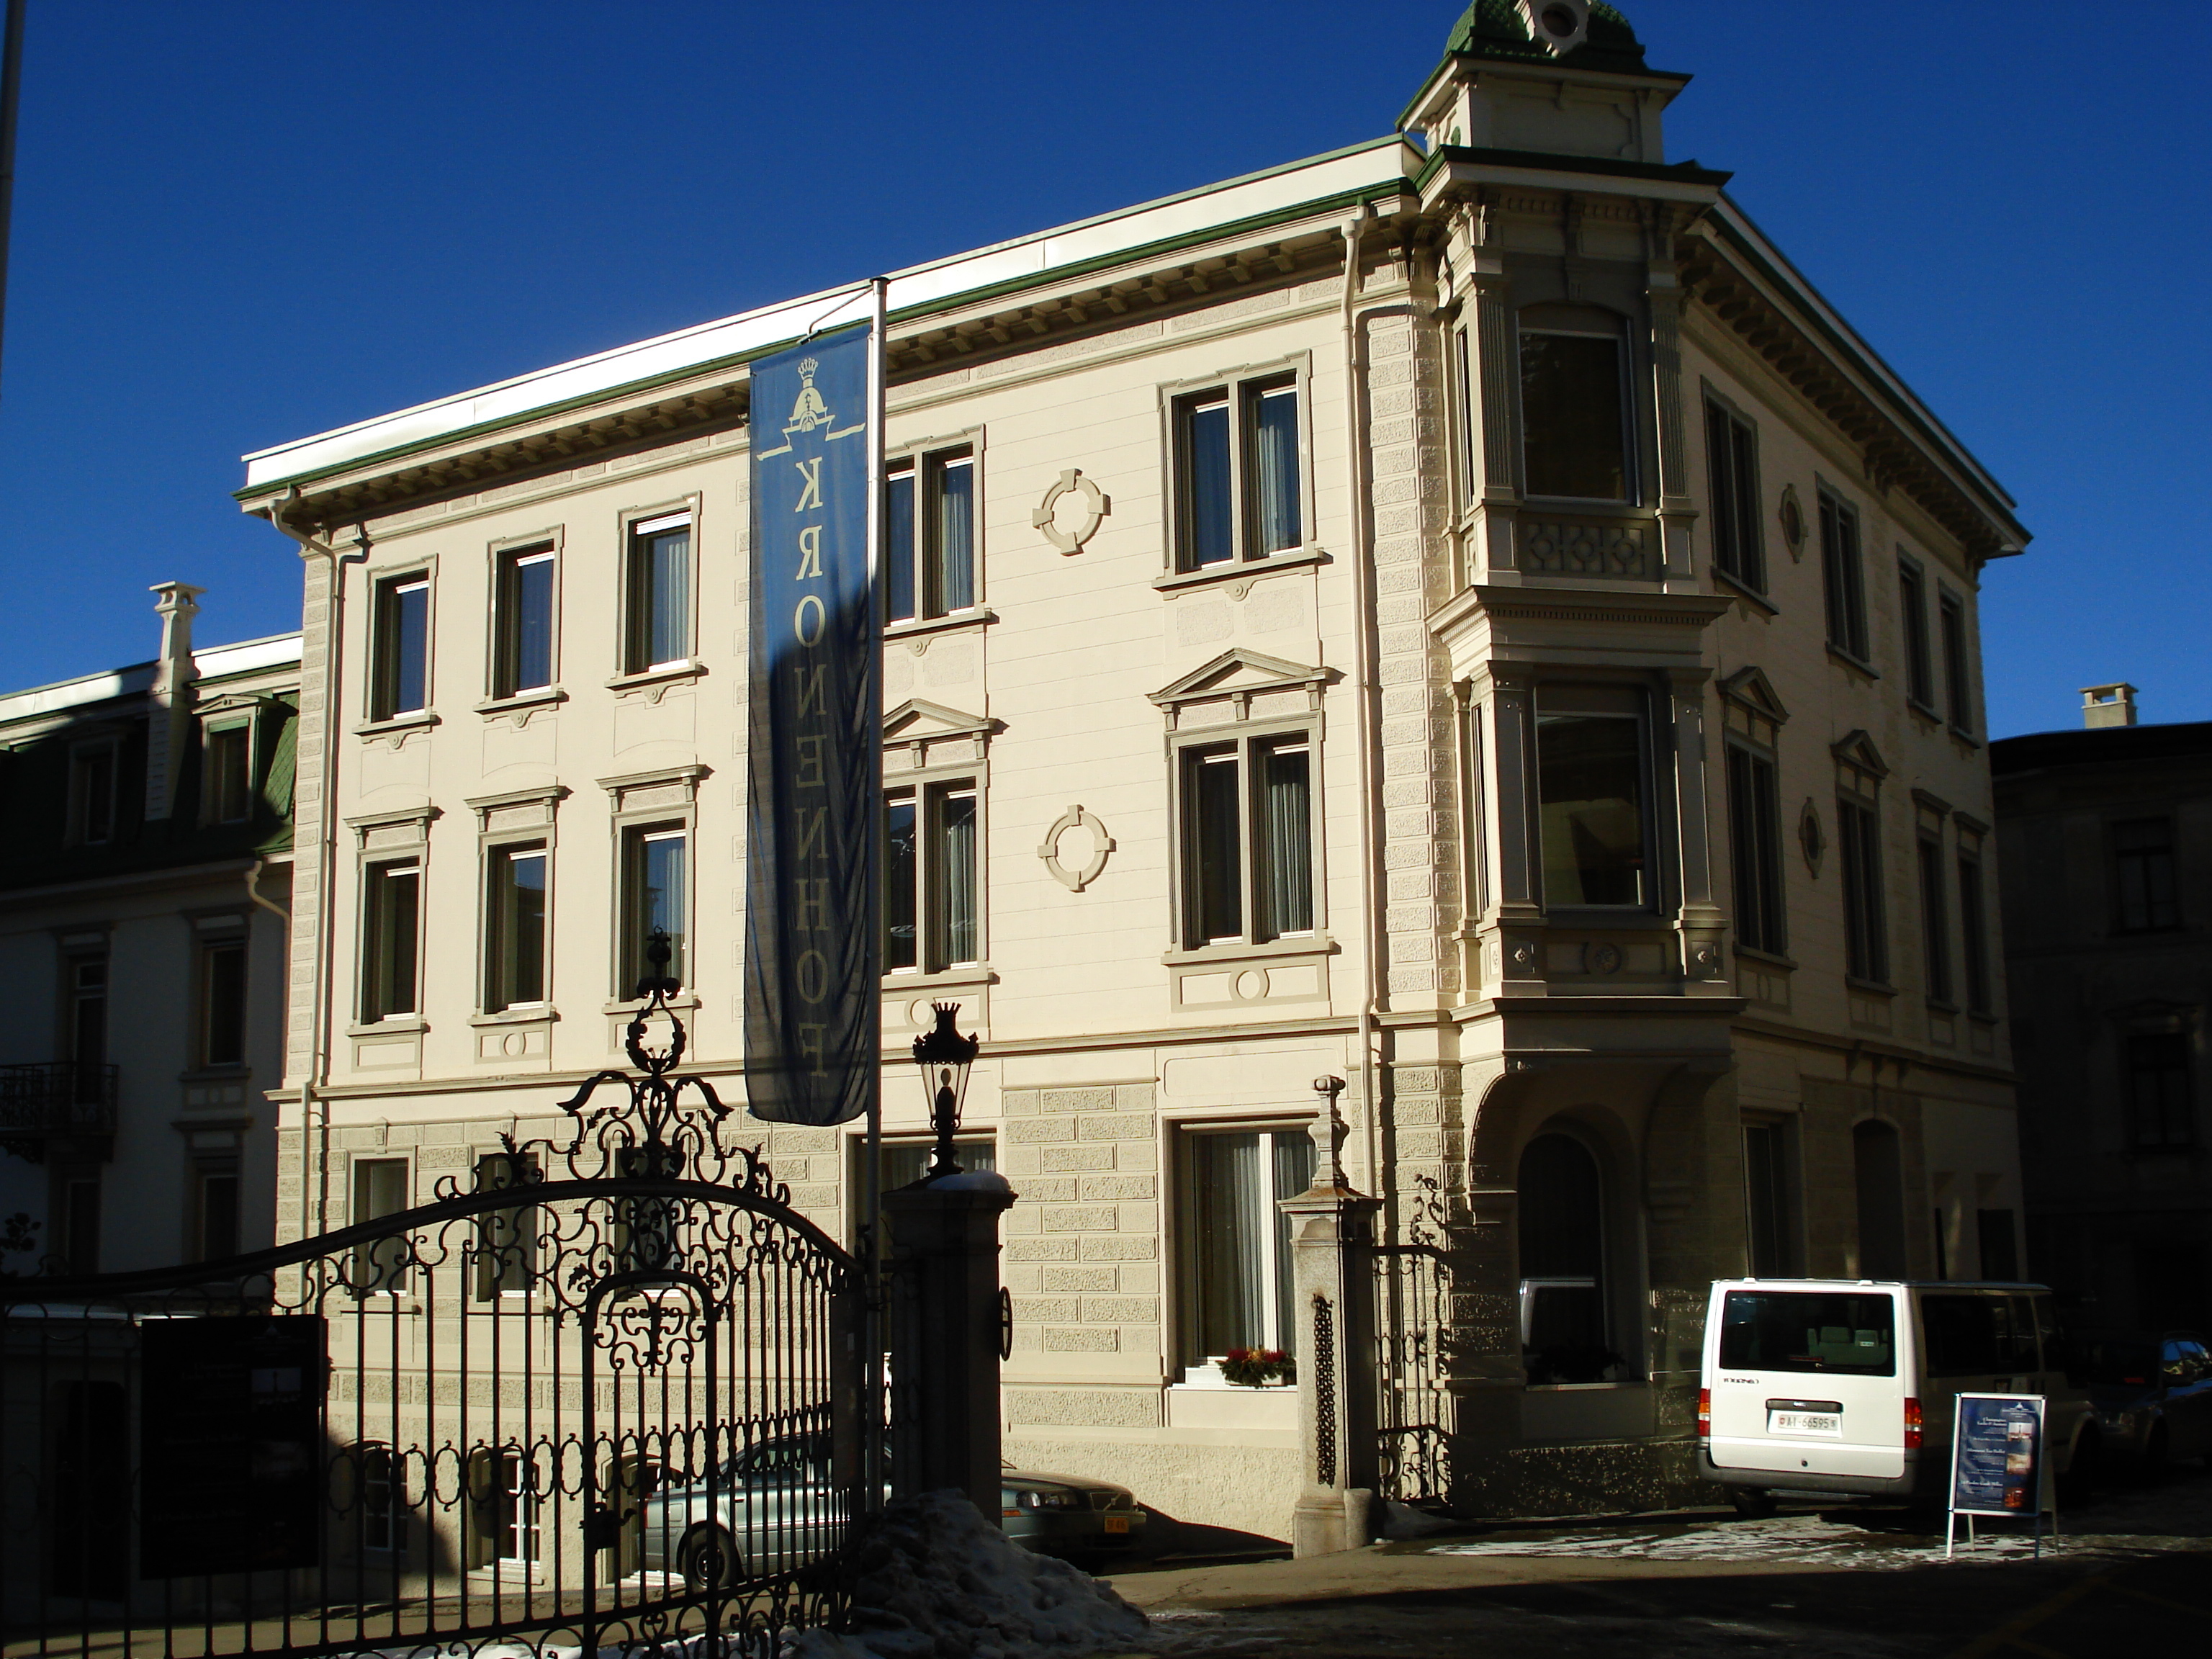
(1996, 1460)
(230, 1444)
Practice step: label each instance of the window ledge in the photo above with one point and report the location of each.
(1937, 1005)
(973, 615)
(400, 1025)
(1313, 944)
(904, 981)
(537, 696)
(543, 1013)
(1744, 590)
(1856, 665)
(1766, 959)
(684, 1002)
(1984, 1016)
(414, 719)
(1965, 736)
(1926, 713)
(1626, 919)
(689, 669)
(1240, 569)
(1872, 987)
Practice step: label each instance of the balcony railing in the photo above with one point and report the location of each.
(55, 1100)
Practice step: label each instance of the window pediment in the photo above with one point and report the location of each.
(1750, 688)
(1242, 685)
(1856, 751)
(932, 734)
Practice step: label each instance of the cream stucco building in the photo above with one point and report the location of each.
(1462, 615)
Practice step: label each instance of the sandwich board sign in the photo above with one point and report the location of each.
(1998, 1465)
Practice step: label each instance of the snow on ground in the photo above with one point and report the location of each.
(937, 1580)
(1809, 1539)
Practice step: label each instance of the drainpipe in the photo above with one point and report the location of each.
(314, 1105)
(1364, 670)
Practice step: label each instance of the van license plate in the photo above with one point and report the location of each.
(1822, 1423)
(1117, 1523)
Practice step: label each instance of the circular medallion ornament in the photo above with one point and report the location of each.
(1074, 849)
(1605, 958)
(1071, 512)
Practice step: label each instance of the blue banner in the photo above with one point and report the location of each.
(813, 1019)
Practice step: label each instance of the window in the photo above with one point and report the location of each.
(228, 773)
(380, 1189)
(1591, 791)
(215, 1214)
(1237, 465)
(1755, 851)
(1934, 922)
(86, 1018)
(655, 899)
(2143, 871)
(391, 924)
(930, 907)
(1878, 1176)
(1564, 1324)
(929, 537)
(522, 621)
(1840, 578)
(1999, 1242)
(1912, 605)
(222, 1003)
(1985, 1335)
(503, 1498)
(1248, 841)
(506, 1240)
(1953, 616)
(1236, 1257)
(80, 1228)
(381, 1506)
(92, 795)
(1574, 427)
(659, 623)
(399, 678)
(1852, 1334)
(1974, 934)
(905, 1162)
(1732, 473)
(1858, 846)
(2161, 1103)
(1770, 1212)
(514, 927)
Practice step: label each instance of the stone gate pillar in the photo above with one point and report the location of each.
(945, 1333)
(1332, 1271)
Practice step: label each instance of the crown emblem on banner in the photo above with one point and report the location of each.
(807, 410)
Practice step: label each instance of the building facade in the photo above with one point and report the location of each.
(1461, 615)
(2106, 839)
(146, 816)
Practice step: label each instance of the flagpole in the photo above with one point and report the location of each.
(872, 1174)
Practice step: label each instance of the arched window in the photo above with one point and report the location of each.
(1564, 1336)
(1879, 1167)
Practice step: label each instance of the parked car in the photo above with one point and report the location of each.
(775, 1508)
(1835, 1386)
(2152, 1392)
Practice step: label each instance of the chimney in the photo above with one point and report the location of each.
(171, 695)
(2108, 705)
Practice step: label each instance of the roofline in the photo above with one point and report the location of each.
(915, 290)
(133, 678)
(1731, 216)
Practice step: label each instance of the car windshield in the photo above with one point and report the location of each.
(1844, 1332)
(2118, 1362)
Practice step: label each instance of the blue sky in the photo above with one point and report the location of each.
(238, 223)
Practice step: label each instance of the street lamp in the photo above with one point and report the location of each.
(944, 1057)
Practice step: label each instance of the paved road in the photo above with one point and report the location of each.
(2133, 1577)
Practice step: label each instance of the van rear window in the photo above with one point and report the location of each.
(1837, 1331)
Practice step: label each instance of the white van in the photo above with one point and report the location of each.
(1823, 1386)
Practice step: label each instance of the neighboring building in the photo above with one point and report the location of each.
(145, 852)
(2106, 838)
(1532, 674)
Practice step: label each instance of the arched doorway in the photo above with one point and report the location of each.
(1565, 1332)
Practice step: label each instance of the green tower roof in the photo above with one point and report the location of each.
(1495, 28)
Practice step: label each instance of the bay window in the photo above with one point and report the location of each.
(1592, 767)
(1574, 411)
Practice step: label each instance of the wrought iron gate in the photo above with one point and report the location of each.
(1412, 1302)
(605, 1390)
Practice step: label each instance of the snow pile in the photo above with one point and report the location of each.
(935, 1580)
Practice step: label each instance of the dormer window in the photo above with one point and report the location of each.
(1574, 405)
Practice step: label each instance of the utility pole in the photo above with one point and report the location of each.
(11, 85)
